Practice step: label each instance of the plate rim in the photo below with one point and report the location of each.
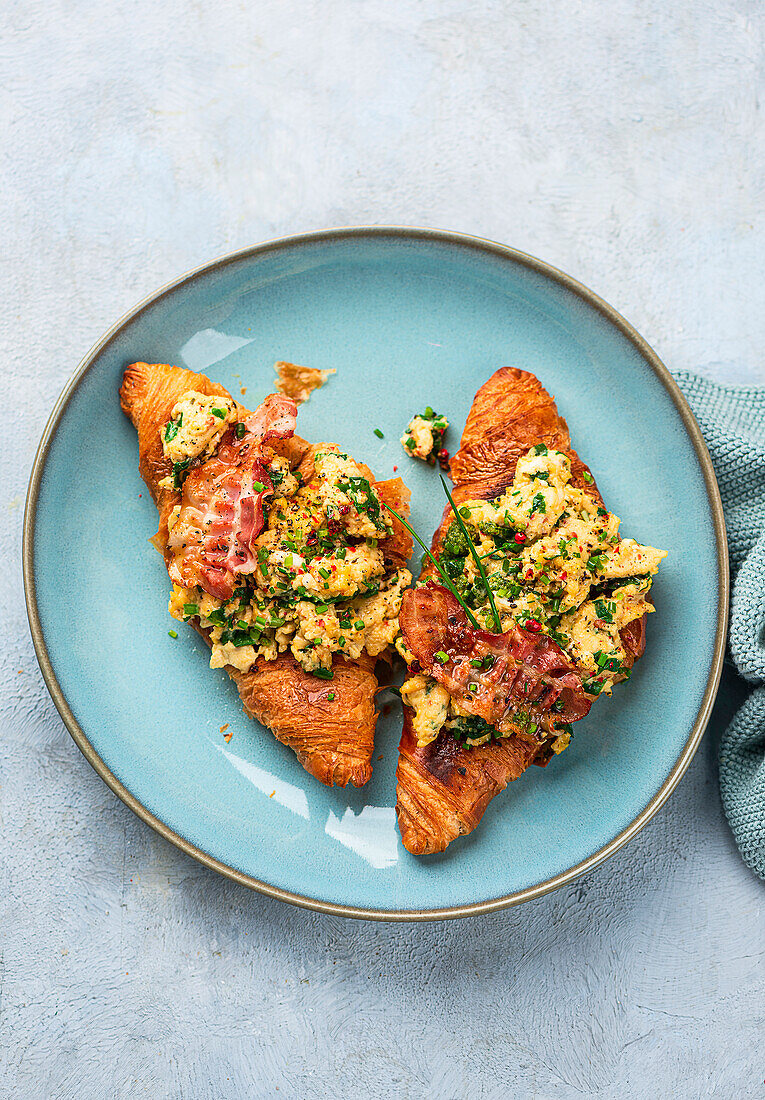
(474, 243)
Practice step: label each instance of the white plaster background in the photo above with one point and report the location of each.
(623, 142)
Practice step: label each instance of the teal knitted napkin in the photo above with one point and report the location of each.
(732, 419)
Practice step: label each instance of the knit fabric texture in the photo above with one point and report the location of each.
(732, 420)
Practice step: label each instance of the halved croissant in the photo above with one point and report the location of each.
(333, 739)
(444, 788)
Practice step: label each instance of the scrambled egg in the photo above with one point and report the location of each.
(534, 503)
(555, 563)
(321, 585)
(284, 482)
(629, 558)
(359, 565)
(593, 630)
(379, 614)
(424, 435)
(430, 702)
(196, 425)
(347, 496)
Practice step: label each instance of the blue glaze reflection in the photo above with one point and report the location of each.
(287, 795)
(371, 834)
(210, 346)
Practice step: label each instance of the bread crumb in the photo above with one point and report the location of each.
(299, 382)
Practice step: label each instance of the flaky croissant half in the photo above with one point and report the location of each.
(329, 725)
(445, 787)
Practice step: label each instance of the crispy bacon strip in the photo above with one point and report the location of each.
(527, 675)
(444, 788)
(333, 739)
(275, 418)
(221, 515)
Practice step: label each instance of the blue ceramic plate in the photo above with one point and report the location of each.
(408, 318)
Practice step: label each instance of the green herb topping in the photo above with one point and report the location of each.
(476, 559)
(171, 430)
(323, 674)
(180, 470)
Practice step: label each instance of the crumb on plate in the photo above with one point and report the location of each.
(299, 382)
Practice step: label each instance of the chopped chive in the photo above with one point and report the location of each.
(446, 580)
(538, 504)
(587, 477)
(258, 486)
(341, 553)
(325, 572)
(442, 657)
(358, 625)
(179, 472)
(171, 429)
(476, 559)
(322, 607)
(173, 633)
(239, 431)
(331, 696)
(190, 609)
(220, 413)
(379, 434)
(323, 674)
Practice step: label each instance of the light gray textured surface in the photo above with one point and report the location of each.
(622, 142)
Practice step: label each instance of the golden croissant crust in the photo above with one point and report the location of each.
(332, 739)
(443, 788)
